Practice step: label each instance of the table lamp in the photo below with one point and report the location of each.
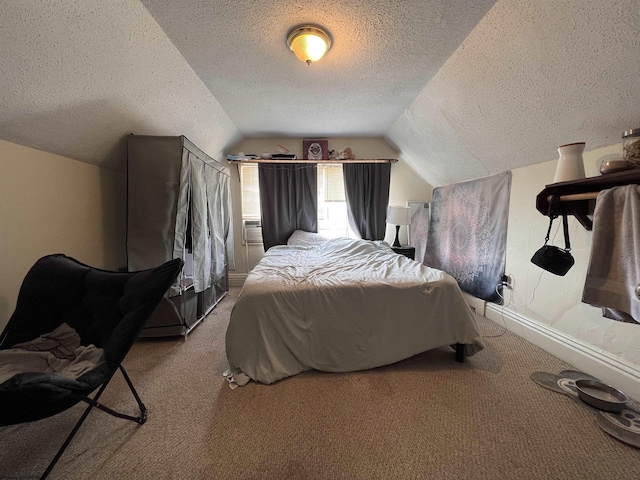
(397, 215)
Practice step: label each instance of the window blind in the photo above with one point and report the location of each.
(250, 191)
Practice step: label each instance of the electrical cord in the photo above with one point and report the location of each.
(504, 322)
(504, 326)
(510, 302)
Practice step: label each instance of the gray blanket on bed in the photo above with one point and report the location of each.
(341, 306)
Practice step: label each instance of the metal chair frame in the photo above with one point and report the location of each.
(93, 402)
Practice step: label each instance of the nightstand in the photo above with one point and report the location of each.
(407, 251)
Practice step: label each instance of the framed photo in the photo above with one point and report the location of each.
(315, 149)
(419, 227)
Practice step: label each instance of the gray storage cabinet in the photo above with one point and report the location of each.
(179, 206)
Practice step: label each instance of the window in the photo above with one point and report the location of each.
(332, 207)
(250, 192)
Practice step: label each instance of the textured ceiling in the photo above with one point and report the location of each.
(383, 53)
(462, 89)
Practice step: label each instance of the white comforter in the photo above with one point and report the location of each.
(340, 306)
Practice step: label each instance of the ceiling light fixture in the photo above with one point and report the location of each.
(309, 43)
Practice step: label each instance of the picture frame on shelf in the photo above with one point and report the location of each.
(315, 149)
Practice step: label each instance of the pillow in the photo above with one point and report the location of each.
(306, 239)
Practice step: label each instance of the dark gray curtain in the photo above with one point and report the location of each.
(288, 200)
(366, 187)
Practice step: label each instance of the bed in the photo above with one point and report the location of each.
(341, 305)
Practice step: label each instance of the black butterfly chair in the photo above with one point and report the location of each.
(106, 309)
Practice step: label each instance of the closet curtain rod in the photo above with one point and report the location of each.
(302, 160)
(573, 197)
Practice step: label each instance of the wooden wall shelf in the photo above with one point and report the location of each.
(577, 197)
(304, 160)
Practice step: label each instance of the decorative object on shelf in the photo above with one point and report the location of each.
(345, 154)
(315, 149)
(397, 215)
(570, 163)
(309, 43)
(614, 165)
(282, 149)
(243, 156)
(631, 146)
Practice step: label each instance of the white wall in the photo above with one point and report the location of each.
(554, 303)
(405, 183)
(52, 204)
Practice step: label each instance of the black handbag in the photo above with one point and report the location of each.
(555, 259)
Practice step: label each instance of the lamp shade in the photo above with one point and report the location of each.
(309, 43)
(397, 215)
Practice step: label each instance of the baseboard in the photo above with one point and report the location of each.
(584, 357)
(237, 279)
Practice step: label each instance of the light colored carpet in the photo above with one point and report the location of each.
(427, 417)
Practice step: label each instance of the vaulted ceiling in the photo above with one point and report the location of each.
(462, 89)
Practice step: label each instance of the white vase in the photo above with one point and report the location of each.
(570, 164)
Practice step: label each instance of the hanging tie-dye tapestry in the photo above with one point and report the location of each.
(468, 233)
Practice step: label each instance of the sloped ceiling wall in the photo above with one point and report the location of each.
(462, 89)
(530, 77)
(78, 76)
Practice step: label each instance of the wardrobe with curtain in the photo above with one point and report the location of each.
(179, 206)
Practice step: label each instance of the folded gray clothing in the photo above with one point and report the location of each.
(62, 342)
(57, 353)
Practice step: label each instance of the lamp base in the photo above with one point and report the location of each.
(397, 241)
